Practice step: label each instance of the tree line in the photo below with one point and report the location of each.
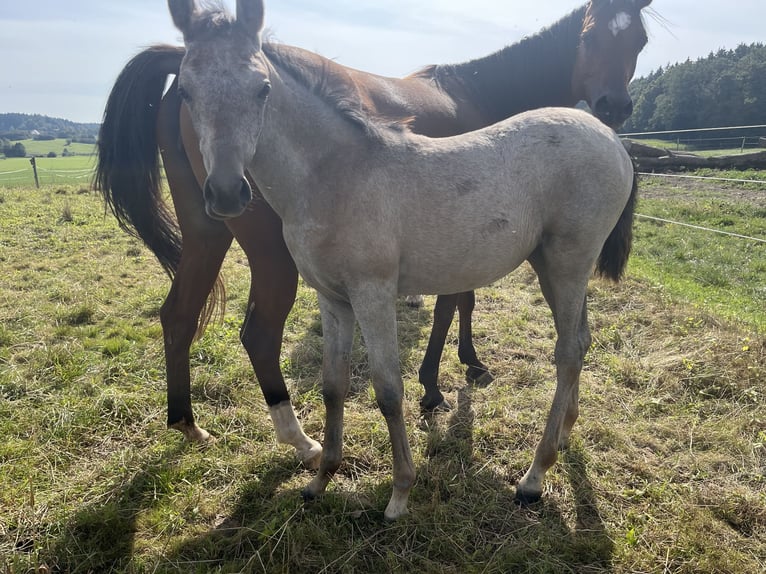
(15, 127)
(726, 88)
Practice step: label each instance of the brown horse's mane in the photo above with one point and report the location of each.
(552, 49)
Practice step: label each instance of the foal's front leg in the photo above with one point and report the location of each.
(338, 335)
(376, 313)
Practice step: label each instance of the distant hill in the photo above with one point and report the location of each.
(15, 127)
(726, 88)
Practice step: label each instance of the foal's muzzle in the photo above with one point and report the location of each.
(224, 200)
(613, 110)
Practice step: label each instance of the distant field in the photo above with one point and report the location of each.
(42, 148)
(72, 170)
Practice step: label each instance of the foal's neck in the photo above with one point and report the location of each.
(533, 73)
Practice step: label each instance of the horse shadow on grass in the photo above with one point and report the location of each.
(269, 528)
(100, 537)
(536, 537)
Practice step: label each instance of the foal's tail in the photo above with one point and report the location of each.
(614, 255)
(128, 168)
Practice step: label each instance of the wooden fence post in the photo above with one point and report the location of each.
(34, 168)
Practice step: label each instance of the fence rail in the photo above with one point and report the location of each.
(46, 175)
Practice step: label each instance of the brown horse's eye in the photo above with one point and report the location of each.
(265, 90)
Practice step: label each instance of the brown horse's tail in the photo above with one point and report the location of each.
(614, 255)
(128, 168)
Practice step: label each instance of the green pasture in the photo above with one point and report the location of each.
(72, 170)
(57, 146)
(666, 472)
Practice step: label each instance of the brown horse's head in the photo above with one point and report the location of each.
(613, 35)
(224, 81)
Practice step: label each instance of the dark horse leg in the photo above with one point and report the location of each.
(273, 287)
(205, 243)
(476, 373)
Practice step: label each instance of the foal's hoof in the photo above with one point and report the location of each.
(308, 495)
(435, 404)
(527, 498)
(478, 377)
(310, 459)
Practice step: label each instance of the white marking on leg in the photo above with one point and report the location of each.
(620, 23)
(289, 431)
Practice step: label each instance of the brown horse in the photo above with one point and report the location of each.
(588, 55)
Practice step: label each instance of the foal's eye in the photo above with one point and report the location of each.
(265, 90)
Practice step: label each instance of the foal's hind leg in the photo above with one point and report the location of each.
(477, 373)
(564, 289)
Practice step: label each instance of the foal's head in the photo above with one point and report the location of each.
(612, 36)
(224, 80)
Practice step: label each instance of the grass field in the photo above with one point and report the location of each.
(666, 473)
(57, 146)
(73, 170)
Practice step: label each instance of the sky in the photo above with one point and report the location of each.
(60, 58)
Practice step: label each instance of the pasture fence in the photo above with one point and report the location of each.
(699, 227)
(729, 138)
(50, 176)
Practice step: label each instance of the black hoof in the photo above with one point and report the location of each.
(307, 495)
(434, 404)
(527, 499)
(478, 376)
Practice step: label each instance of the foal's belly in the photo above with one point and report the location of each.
(454, 266)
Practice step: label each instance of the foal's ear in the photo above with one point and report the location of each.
(182, 12)
(250, 16)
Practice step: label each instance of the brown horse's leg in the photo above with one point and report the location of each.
(476, 372)
(444, 311)
(195, 277)
(205, 243)
(273, 287)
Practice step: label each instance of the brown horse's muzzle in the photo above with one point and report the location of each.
(613, 109)
(225, 199)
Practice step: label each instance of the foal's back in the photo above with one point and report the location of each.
(487, 199)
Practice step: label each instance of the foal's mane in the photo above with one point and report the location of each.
(332, 83)
(322, 77)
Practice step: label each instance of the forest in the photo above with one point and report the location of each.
(14, 127)
(726, 88)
